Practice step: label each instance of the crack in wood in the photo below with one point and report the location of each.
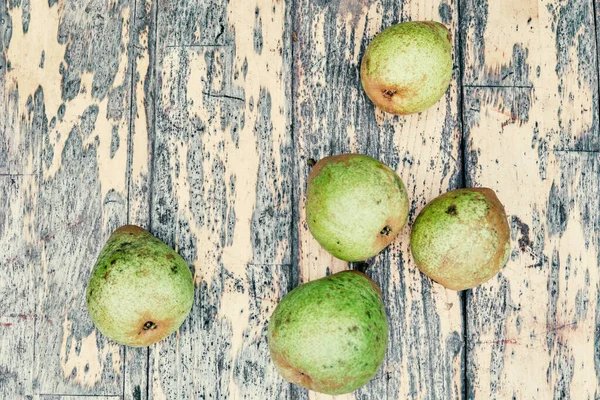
(499, 86)
(223, 96)
(197, 45)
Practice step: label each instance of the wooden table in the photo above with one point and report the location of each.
(197, 119)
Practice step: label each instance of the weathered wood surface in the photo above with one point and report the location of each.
(222, 190)
(531, 133)
(197, 119)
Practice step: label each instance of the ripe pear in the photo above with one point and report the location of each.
(140, 290)
(330, 335)
(355, 205)
(461, 239)
(408, 67)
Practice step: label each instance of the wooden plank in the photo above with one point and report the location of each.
(142, 56)
(333, 115)
(20, 122)
(142, 53)
(19, 148)
(532, 330)
(18, 256)
(221, 190)
(492, 62)
(67, 82)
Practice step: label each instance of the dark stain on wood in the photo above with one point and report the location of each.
(271, 219)
(558, 209)
(522, 228)
(553, 295)
(597, 340)
(473, 22)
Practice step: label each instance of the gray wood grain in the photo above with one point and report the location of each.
(80, 106)
(141, 53)
(531, 133)
(333, 115)
(19, 240)
(221, 190)
(18, 255)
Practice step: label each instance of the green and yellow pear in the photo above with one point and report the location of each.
(355, 205)
(407, 67)
(330, 335)
(461, 239)
(140, 289)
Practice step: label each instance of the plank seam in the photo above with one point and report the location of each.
(292, 271)
(198, 45)
(499, 86)
(576, 151)
(129, 168)
(597, 57)
(154, 82)
(116, 396)
(463, 183)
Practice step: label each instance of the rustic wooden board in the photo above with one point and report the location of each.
(19, 240)
(333, 115)
(142, 53)
(67, 89)
(531, 130)
(18, 255)
(221, 190)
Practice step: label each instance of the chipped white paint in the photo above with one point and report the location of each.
(25, 54)
(543, 332)
(87, 359)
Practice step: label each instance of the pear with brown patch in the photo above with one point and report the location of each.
(140, 290)
(461, 239)
(407, 67)
(355, 205)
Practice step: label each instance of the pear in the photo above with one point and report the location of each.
(408, 67)
(330, 335)
(461, 239)
(355, 205)
(140, 290)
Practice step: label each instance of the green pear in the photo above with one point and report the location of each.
(330, 335)
(461, 239)
(355, 205)
(407, 67)
(140, 290)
